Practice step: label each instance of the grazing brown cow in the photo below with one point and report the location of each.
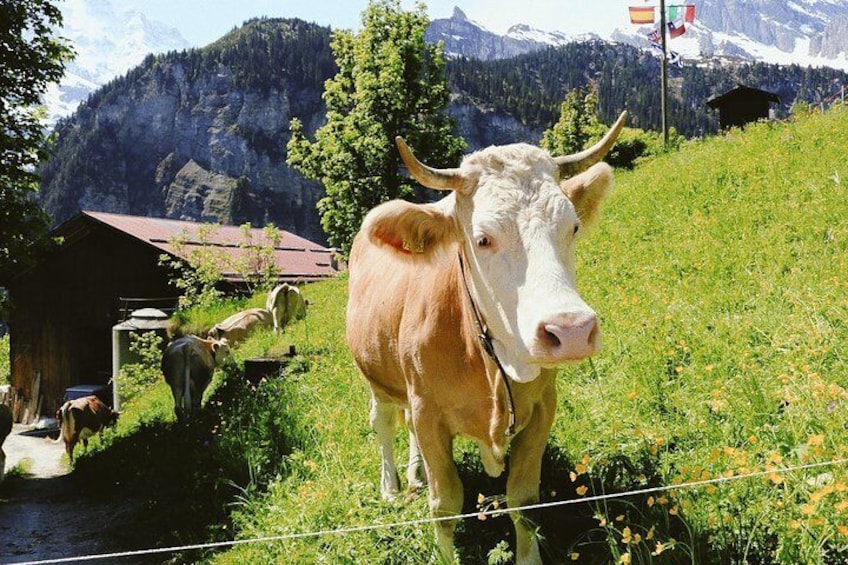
(460, 312)
(240, 325)
(5, 430)
(187, 364)
(286, 304)
(81, 418)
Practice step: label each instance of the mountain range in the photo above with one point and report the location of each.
(110, 41)
(802, 32)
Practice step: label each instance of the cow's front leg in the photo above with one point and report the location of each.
(445, 487)
(383, 420)
(415, 474)
(525, 467)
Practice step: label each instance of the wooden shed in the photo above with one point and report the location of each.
(742, 105)
(63, 308)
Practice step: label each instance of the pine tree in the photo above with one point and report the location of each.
(389, 83)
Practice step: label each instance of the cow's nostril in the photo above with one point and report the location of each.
(593, 334)
(550, 338)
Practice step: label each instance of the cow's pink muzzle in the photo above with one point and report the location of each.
(568, 337)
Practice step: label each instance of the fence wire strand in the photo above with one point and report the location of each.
(433, 520)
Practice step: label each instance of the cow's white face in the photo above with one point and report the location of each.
(220, 351)
(519, 232)
(517, 223)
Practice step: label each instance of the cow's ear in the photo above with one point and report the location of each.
(587, 190)
(409, 228)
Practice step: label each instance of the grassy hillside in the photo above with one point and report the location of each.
(720, 276)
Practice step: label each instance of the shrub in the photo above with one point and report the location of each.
(138, 377)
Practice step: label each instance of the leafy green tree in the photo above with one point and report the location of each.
(578, 123)
(579, 127)
(31, 57)
(390, 82)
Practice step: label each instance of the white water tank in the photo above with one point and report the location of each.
(140, 321)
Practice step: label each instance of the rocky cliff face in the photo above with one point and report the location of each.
(201, 149)
(202, 135)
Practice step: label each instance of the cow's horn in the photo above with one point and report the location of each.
(438, 179)
(570, 165)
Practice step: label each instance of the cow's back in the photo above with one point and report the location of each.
(240, 325)
(187, 351)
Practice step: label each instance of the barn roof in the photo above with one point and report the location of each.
(741, 91)
(298, 259)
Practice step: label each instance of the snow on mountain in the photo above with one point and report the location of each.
(108, 41)
(803, 32)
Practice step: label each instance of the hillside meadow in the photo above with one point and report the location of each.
(720, 275)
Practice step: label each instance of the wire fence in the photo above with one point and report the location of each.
(432, 520)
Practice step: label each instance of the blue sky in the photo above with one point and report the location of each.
(203, 21)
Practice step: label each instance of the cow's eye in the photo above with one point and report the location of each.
(576, 228)
(483, 242)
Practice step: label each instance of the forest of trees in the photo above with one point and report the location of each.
(531, 87)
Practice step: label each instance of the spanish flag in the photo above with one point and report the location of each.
(640, 15)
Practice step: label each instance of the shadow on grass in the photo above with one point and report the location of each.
(177, 471)
(575, 531)
(190, 473)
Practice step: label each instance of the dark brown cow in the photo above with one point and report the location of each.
(493, 259)
(81, 418)
(5, 430)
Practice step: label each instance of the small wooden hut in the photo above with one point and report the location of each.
(742, 105)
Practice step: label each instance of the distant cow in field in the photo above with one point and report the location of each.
(5, 430)
(240, 325)
(460, 311)
(286, 304)
(187, 364)
(81, 418)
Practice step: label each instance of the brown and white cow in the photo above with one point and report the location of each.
(187, 364)
(240, 325)
(5, 430)
(286, 304)
(502, 243)
(81, 418)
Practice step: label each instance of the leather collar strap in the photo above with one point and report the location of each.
(486, 343)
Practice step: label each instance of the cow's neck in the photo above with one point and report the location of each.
(502, 395)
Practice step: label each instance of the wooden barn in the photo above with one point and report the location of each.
(63, 309)
(742, 105)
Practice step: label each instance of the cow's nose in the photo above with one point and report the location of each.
(570, 336)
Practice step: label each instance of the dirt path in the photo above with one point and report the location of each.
(46, 514)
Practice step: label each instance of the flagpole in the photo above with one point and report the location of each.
(664, 67)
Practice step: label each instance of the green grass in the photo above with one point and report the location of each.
(720, 275)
